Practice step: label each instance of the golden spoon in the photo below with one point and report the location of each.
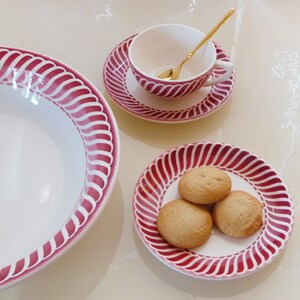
(173, 74)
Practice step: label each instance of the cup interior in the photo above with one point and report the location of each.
(164, 46)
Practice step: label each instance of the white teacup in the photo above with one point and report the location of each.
(162, 47)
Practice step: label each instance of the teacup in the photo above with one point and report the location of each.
(162, 47)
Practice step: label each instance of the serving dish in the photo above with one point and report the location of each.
(59, 158)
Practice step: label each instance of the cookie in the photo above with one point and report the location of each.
(184, 224)
(204, 185)
(238, 215)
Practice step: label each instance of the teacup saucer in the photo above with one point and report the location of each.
(125, 91)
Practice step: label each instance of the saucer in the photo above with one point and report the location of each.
(125, 91)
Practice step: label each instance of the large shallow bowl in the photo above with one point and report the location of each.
(59, 157)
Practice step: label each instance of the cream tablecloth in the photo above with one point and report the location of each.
(262, 115)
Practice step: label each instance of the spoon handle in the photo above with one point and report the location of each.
(209, 35)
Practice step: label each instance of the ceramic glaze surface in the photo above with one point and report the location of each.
(162, 47)
(124, 89)
(42, 173)
(58, 160)
(220, 258)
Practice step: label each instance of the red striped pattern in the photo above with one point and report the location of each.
(169, 89)
(278, 210)
(114, 74)
(95, 123)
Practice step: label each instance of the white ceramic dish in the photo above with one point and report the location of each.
(59, 157)
(221, 257)
(126, 92)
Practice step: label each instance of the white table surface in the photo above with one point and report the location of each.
(262, 115)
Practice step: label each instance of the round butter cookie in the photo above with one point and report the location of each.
(204, 185)
(184, 224)
(238, 215)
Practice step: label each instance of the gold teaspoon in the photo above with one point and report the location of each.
(173, 74)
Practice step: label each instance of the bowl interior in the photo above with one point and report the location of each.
(165, 46)
(43, 165)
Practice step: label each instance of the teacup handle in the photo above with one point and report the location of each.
(228, 66)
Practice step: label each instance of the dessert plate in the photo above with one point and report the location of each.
(221, 257)
(125, 91)
(59, 157)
